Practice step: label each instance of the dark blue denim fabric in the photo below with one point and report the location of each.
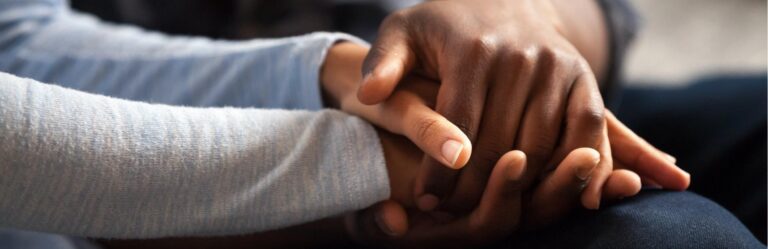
(653, 219)
(716, 127)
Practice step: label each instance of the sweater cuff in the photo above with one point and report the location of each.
(311, 61)
(364, 179)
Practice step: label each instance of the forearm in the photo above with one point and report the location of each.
(47, 41)
(89, 165)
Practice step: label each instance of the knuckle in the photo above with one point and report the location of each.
(424, 127)
(525, 58)
(542, 148)
(591, 117)
(582, 65)
(484, 45)
(396, 19)
(560, 58)
(548, 56)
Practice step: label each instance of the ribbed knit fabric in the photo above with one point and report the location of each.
(80, 163)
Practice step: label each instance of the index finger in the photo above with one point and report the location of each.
(460, 99)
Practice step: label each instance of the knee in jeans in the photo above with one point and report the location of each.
(677, 220)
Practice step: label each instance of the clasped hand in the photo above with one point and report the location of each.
(509, 117)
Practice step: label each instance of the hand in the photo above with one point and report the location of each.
(509, 79)
(498, 215)
(402, 113)
(407, 112)
(547, 101)
(501, 212)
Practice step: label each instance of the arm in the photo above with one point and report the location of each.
(89, 165)
(46, 41)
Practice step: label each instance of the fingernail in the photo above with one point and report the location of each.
(670, 158)
(383, 225)
(427, 202)
(451, 151)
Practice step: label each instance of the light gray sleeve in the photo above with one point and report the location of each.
(46, 41)
(89, 165)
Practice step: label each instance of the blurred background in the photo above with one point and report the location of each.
(680, 40)
(685, 39)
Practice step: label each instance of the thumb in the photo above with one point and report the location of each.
(388, 60)
(431, 132)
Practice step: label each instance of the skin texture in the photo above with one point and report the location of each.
(504, 205)
(550, 199)
(503, 74)
(500, 64)
(497, 215)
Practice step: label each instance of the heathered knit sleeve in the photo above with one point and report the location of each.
(89, 165)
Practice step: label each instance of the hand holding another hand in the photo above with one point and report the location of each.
(411, 106)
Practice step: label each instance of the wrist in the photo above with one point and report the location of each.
(340, 73)
(547, 9)
(583, 26)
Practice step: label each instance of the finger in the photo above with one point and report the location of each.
(460, 99)
(541, 125)
(381, 222)
(499, 206)
(430, 131)
(408, 113)
(621, 184)
(498, 129)
(584, 118)
(645, 181)
(388, 60)
(497, 215)
(592, 194)
(641, 157)
(559, 192)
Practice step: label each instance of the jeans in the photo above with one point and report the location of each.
(716, 128)
(653, 219)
